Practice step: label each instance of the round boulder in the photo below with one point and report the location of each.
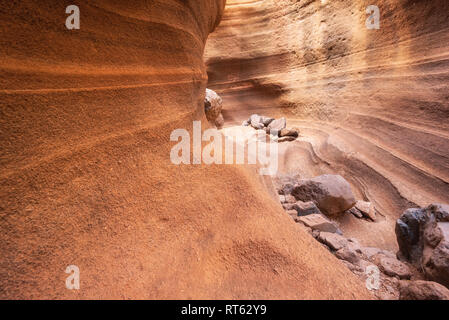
(331, 193)
(212, 107)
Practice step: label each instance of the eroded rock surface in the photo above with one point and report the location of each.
(423, 238)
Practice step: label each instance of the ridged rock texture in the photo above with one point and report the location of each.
(372, 105)
(86, 177)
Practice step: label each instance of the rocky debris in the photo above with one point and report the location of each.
(286, 189)
(319, 222)
(423, 238)
(284, 183)
(266, 121)
(213, 105)
(366, 209)
(358, 259)
(392, 267)
(289, 133)
(288, 206)
(292, 213)
(422, 290)
(256, 122)
(348, 254)
(289, 198)
(356, 212)
(388, 288)
(219, 121)
(331, 193)
(303, 201)
(436, 262)
(305, 208)
(332, 240)
(275, 127)
(370, 252)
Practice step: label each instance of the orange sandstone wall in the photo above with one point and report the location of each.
(86, 178)
(373, 104)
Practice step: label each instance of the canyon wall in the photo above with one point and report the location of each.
(372, 104)
(86, 176)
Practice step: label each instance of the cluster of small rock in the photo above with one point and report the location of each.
(313, 202)
(275, 127)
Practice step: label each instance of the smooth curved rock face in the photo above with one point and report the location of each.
(86, 178)
(371, 103)
(331, 193)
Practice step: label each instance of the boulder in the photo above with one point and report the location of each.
(286, 189)
(266, 121)
(246, 123)
(422, 290)
(277, 125)
(423, 238)
(305, 208)
(212, 107)
(258, 126)
(319, 222)
(288, 133)
(331, 193)
(392, 267)
(256, 122)
(366, 209)
(436, 262)
(282, 198)
(284, 183)
(219, 121)
(348, 253)
(356, 212)
(332, 240)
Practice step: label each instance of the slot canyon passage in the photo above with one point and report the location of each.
(85, 123)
